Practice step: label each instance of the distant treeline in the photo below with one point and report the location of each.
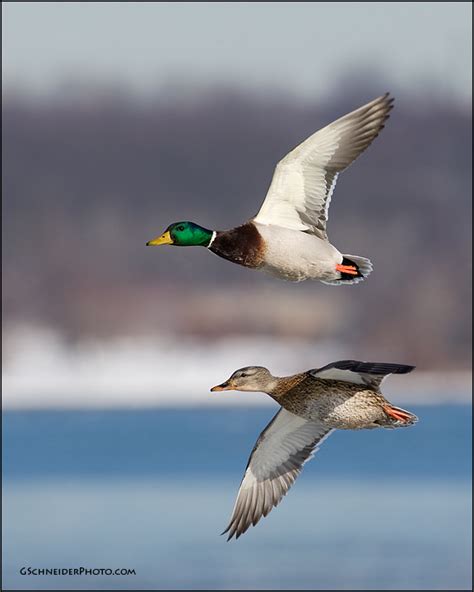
(87, 183)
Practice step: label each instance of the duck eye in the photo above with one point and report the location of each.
(181, 228)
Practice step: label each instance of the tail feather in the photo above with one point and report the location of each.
(362, 265)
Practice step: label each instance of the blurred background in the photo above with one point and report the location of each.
(119, 118)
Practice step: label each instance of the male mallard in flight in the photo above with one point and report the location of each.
(343, 395)
(288, 235)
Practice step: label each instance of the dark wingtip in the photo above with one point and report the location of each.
(226, 531)
(382, 368)
(404, 369)
(233, 532)
(388, 100)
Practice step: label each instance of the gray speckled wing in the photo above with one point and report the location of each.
(276, 461)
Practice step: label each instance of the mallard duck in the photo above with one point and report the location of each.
(344, 395)
(288, 237)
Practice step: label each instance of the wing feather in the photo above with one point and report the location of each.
(274, 464)
(304, 180)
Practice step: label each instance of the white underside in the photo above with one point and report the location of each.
(297, 256)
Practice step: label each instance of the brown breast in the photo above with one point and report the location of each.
(242, 245)
(291, 392)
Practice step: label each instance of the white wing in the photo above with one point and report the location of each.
(304, 180)
(282, 448)
(366, 373)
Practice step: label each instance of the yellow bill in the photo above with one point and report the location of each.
(164, 239)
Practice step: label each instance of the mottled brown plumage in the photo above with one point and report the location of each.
(320, 399)
(242, 245)
(342, 395)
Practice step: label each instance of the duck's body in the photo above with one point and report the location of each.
(285, 253)
(342, 395)
(288, 237)
(334, 403)
(296, 256)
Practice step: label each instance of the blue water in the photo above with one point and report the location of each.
(152, 489)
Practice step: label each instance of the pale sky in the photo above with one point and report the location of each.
(304, 49)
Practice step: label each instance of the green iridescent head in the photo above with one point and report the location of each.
(184, 234)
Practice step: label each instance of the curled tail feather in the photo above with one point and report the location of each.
(362, 266)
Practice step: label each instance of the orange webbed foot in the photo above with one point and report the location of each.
(351, 269)
(398, 414)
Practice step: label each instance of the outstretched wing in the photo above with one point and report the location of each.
(304, 180)
(366, 373)
(282, 448)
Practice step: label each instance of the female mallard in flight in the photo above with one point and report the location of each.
(288, 235)
(343, 395)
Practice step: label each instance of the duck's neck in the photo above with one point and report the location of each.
(271, 386)
(282, 385)
(212, 238)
